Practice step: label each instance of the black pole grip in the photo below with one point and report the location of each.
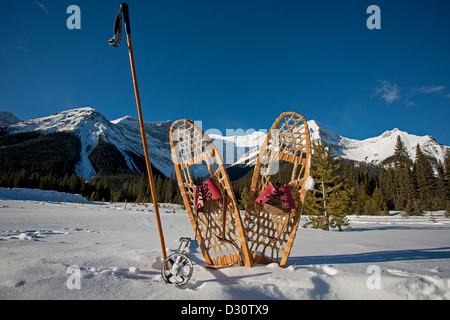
(126, 17)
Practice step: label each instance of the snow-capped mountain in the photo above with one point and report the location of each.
(90, 126)
(124, 133)
(239, 150)
(376, 150)
(157, 134)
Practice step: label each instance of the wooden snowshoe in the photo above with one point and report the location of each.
(271, 228)
(215, 217)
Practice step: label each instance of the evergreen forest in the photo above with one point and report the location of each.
(342, 187)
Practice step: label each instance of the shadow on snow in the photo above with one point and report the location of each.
(377, 256)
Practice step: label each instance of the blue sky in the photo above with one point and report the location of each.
(235, 64)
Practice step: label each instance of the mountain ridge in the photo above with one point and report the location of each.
(7, 117)
(241, 150)
(90, 125)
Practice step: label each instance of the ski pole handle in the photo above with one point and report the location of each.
(126, 17)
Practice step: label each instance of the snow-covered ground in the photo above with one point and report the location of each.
(45, 241)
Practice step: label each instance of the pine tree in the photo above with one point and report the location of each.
(326, 182)
(447, 180)
(447, 165)
(143, 189)
(244, 198)
(165, 191)
(176, 194)
(21, 179)
(34, 181)
(386, 178)
(378, 205)
(403, 181)
(350, 177)
(159, 188)
(442, 194)
(409, 208)
(363, 201)
(418, 211)
(426, 184)
(169, 191)
(340, 204)
(401, 157)
(407, 188)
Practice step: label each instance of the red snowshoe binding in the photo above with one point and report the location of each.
(277, 200)
(207, 197)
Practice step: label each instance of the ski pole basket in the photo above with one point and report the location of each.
(177, 268)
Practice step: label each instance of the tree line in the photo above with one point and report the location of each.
(113, 188)
(136, 188)
(406, 185)
(415, 186)
(92, 190)
(43, 161)
(341, 187)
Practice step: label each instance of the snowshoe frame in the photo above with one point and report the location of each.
(221, 247)
(270, 236)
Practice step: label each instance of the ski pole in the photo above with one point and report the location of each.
(118, 29)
